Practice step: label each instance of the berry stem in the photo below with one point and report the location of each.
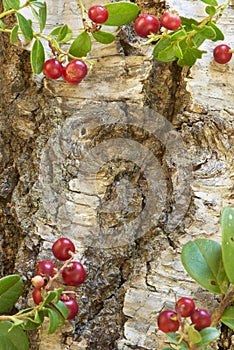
(10, 12)
(224, 303)
(83, 17)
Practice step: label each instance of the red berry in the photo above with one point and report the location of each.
(145, 25)
(45, 268)
(98, 14)
(74, 274)
(72, 306)
(37, 296)
(185, 307)
(75, 71)
(38, 281)
(201, 319)
(53, 69)
(62, 247)
(168, 321)
(221, 54)
(170, 21)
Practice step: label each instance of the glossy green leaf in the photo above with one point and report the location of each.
(37, 57)
(218, 32)
(168, 348)
(30, 324)
(177, 50)
(167, 55)
(81, 45)
(14, 34)
(25, 26)
(208, 335)
(14, 339)
(227, 224)
(228, 317)
(38, 4)
(11, 288)
(210, 2)
(210, 10)
(56, 320)
(14, 4)
(161, 45)
(121, 13)
(190, 55)
(202, 259)
(103, 37)
(198, 39)
(62, 308)
(179, 34)
(55, 32)
(42, 16)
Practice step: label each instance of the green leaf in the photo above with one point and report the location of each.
(205, 31)
(202, 259)
(228, 317)
(168, 348)
(38, 4)
(190, 53)
(173, 337)
(208, 335)
(187, 23)
(11, 288)
(218, 32)
(62, 32)
(2, 24)
(37, 57)
(25, 26)
(15, 339)
(210, 2)
(42, 16)
(121, 13)
(5, 5)
(14, 34)
(163, 50)
(62, 308)
(103, 37)
(56, 320)
(178, 34)
(210, 10)
(193, 334)
(81, 45)
(68, 36)
(14, 4)
(227, 224)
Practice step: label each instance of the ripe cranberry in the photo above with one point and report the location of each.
(71, 304)
(75, 71)
(201, 319)
(170, 21)
(145, 25)
(221, 54)
(38, 281)
(45, 268)
(62, 247)
(168, 322)
(74, 274)
(37, 296)
(53, 69)
(185, 306)
(98, 14)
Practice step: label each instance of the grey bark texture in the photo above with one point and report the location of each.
(131, 164)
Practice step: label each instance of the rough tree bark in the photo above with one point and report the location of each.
(47, 131)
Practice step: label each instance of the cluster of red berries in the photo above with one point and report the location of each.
(76, 70)
(147, 24)
(170, 321)
(73, 274)
(73, 73)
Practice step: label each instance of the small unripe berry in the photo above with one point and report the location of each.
(37, 296)
(38, 281)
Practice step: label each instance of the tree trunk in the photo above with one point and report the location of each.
(130, 164)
